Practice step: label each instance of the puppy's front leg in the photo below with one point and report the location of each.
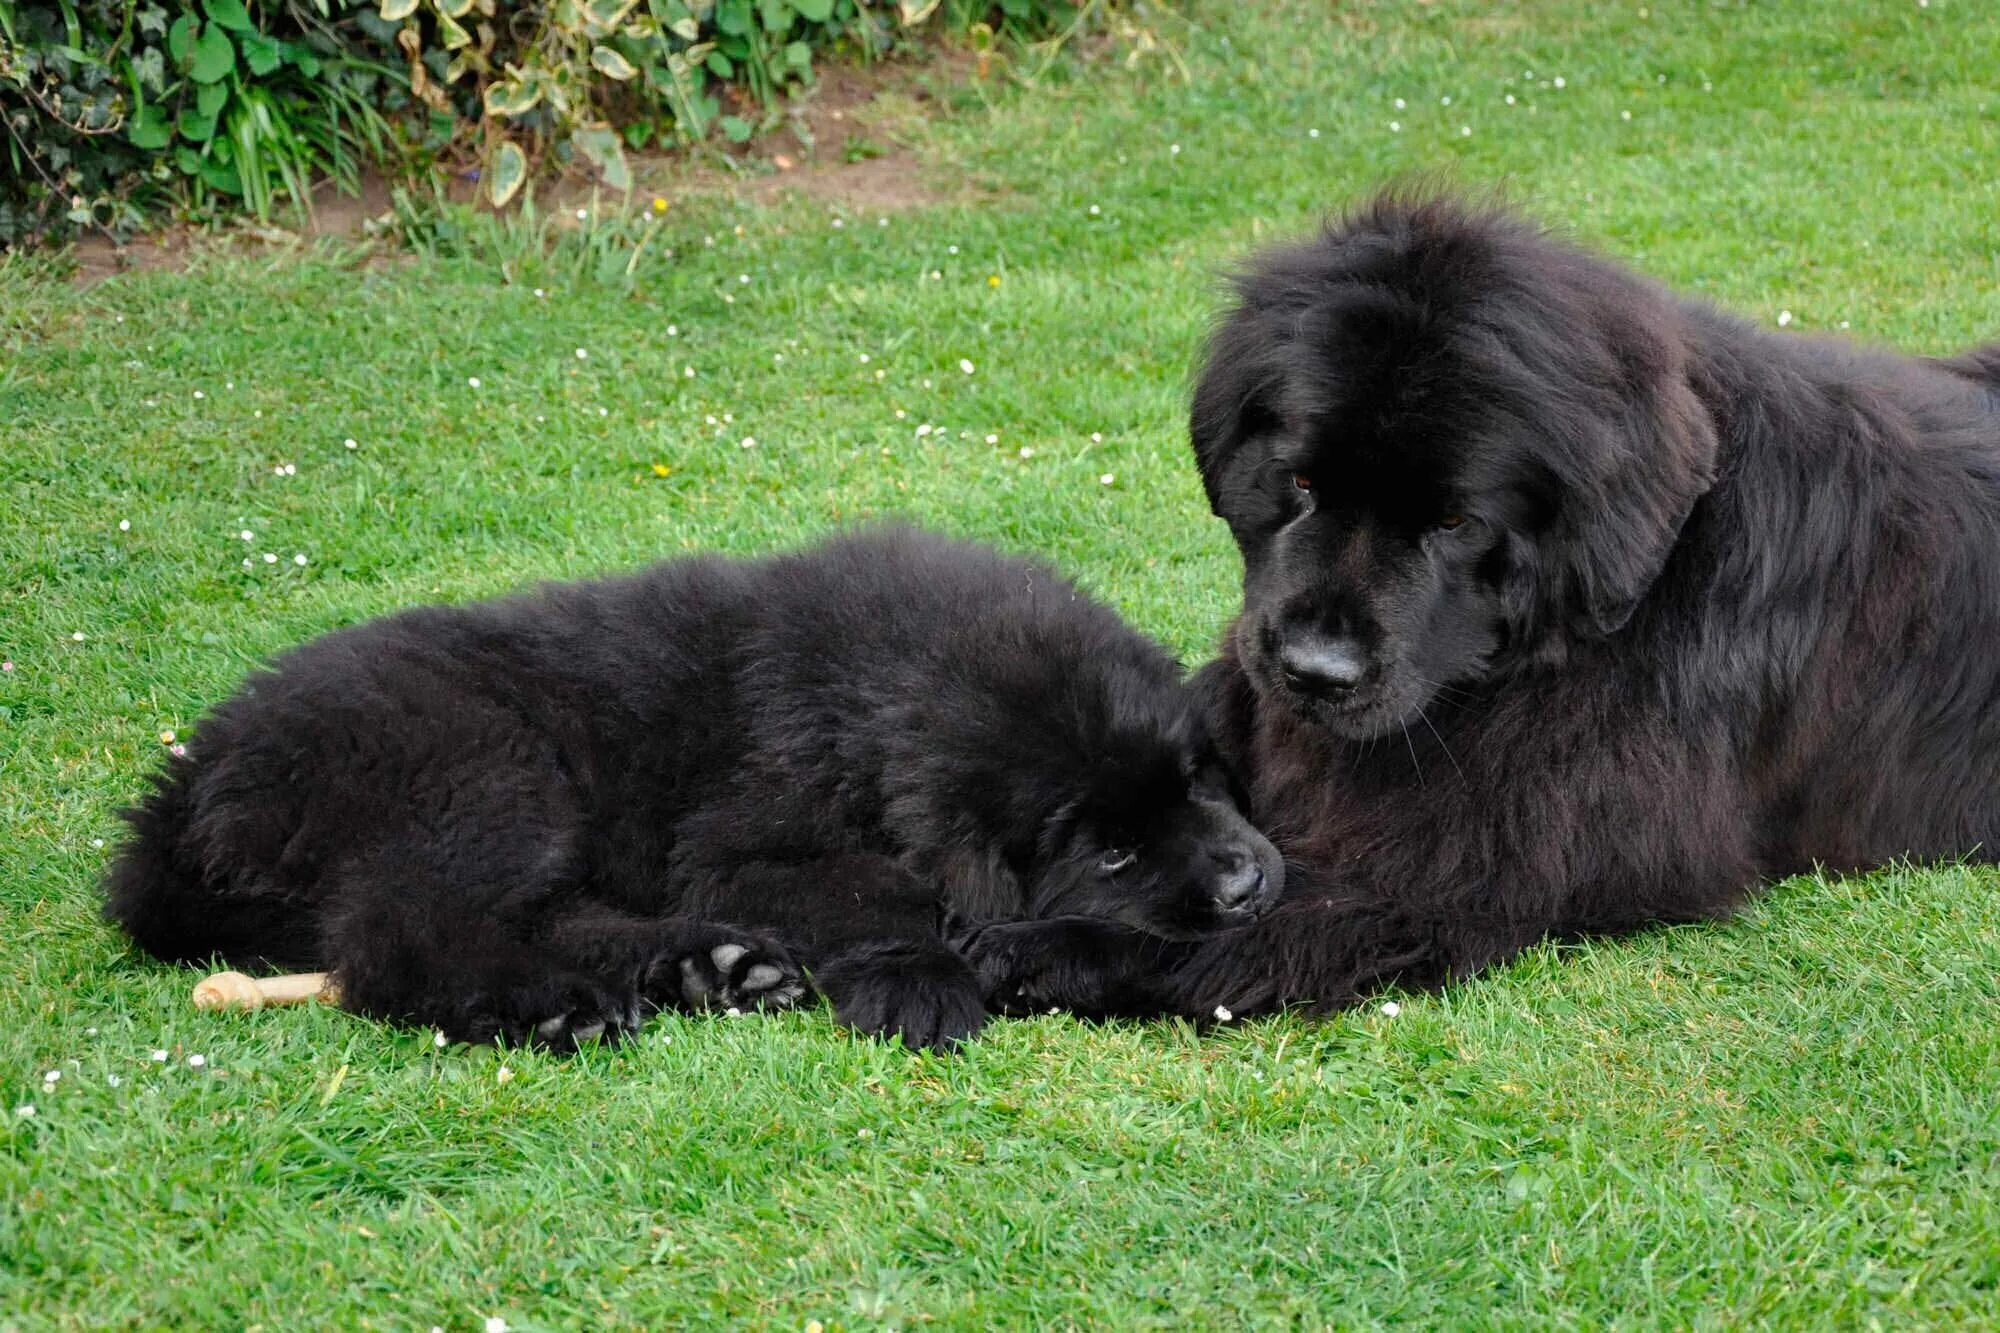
(1086, 965)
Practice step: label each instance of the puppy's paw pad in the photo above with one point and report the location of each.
(738, 975)
(556, 1016)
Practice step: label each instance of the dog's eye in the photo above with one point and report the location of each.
(1302, 481)
(1451, 522)
(1115, 860)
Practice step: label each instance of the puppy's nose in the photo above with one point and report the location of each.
(1319, 665)
(1240, 886)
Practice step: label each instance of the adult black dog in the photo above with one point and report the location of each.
(1570, 606)
(540, 818)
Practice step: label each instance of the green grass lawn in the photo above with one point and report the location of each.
(1794, 1118)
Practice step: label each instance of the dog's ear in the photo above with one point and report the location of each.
(1226, 409)
(1617, 525)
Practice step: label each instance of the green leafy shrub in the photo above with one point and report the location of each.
(116, 110)
(114, 106)
(578, 82)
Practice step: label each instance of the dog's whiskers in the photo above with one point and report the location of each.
(1440, 740)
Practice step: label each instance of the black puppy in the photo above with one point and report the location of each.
(539, 818)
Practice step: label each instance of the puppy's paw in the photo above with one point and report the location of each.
(741, 972)
(1082, 965)
(559, 1014)
(925, 995)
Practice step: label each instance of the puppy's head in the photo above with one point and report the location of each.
(1154, 838)
(1446, 445)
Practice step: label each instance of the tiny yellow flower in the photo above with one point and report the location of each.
(166, 738)
(659, 204)
(662, 470)
(993, 280)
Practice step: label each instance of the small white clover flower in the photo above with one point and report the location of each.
(197, 1061)
(1784, 318)
(299, 559)
(1390, 1009)
(503, 1076)
(472, 381)
(124, 525)
(159, 1057)
(53, 1076)
(1108, 478)
(1222, 1014)
(965, 365)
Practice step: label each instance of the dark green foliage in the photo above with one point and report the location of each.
(116, 111)
(117, 108)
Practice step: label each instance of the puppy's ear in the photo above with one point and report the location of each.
(980, 886)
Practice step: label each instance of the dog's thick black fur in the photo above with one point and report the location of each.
(1570, 606)
(539, 818)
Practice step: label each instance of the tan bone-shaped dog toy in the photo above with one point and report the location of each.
(235, 991)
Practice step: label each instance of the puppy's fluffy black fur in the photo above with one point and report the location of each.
(1570, 606)
(540, 817)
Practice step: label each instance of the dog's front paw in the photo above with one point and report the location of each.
(743, 971)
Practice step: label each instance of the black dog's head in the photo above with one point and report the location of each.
(1447, 445)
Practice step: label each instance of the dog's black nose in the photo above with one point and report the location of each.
(1239, 888)
(1330, 668)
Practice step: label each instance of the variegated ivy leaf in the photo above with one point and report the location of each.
(452, 9)
(606, 14)
(511, 97)
(610, 64)
(395, 11)
(914, 12)
(452, 32)
(506, 173)
(600, 144)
